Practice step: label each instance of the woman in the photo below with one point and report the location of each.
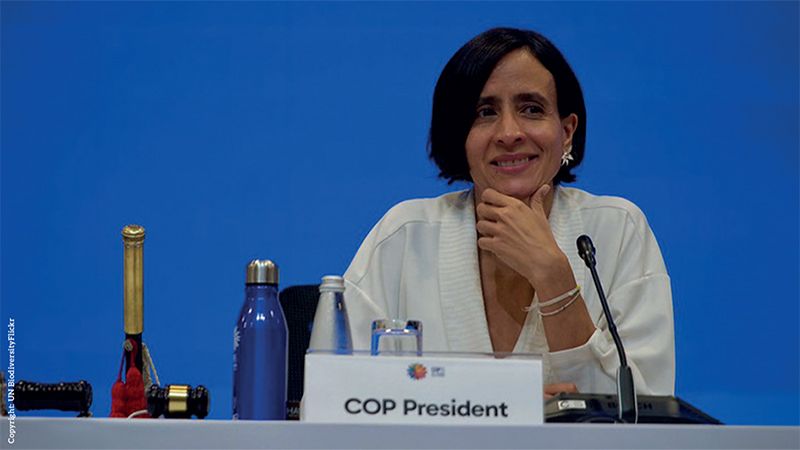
(495, 268)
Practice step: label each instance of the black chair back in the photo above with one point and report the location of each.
(299, 305)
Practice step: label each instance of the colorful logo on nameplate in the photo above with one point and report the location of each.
(417, 371)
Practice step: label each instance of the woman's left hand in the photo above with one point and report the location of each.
(519, 234)
(551, 390)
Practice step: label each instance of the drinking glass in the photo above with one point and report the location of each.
(395, 335)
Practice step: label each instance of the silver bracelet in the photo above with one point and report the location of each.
(562, 308)
(561, 297)
(552, 302)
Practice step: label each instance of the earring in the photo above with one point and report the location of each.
(566, 157)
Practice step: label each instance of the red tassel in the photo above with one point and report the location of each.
(134, 388)
(118, 399)
(128, 397)
(118, 403)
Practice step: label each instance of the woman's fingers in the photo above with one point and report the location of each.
(493, 197)
(486, 211)
(517, 233)
(486, 243)
(557, 388)
(488, 228)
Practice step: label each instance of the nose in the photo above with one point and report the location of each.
(509, 133)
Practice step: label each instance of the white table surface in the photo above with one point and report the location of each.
(69, 433)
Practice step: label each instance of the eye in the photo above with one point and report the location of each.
(485, 111)
(533, 109)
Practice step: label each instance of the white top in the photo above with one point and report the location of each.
(421, 262)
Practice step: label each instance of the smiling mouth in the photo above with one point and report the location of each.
(514, 162)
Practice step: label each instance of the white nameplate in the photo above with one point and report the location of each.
(422, 390)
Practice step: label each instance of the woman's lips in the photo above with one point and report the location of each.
(513, 165)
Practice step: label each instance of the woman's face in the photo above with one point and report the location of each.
(517, 139)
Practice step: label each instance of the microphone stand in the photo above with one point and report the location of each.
(627, 407)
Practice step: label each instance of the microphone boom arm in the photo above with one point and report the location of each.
(627, 407)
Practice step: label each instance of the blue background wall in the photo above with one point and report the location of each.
(234, 131)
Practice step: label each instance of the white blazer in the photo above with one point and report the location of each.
(421, 262)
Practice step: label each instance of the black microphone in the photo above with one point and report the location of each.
(627, 407)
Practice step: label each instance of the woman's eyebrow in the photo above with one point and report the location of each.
(531, 97)
(490, 100)
(519, 98)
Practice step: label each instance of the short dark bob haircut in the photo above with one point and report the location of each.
(461, 82)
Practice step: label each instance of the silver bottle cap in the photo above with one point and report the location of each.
(332, 283)
(262, 271)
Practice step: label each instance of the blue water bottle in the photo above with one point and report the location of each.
(260, 348)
